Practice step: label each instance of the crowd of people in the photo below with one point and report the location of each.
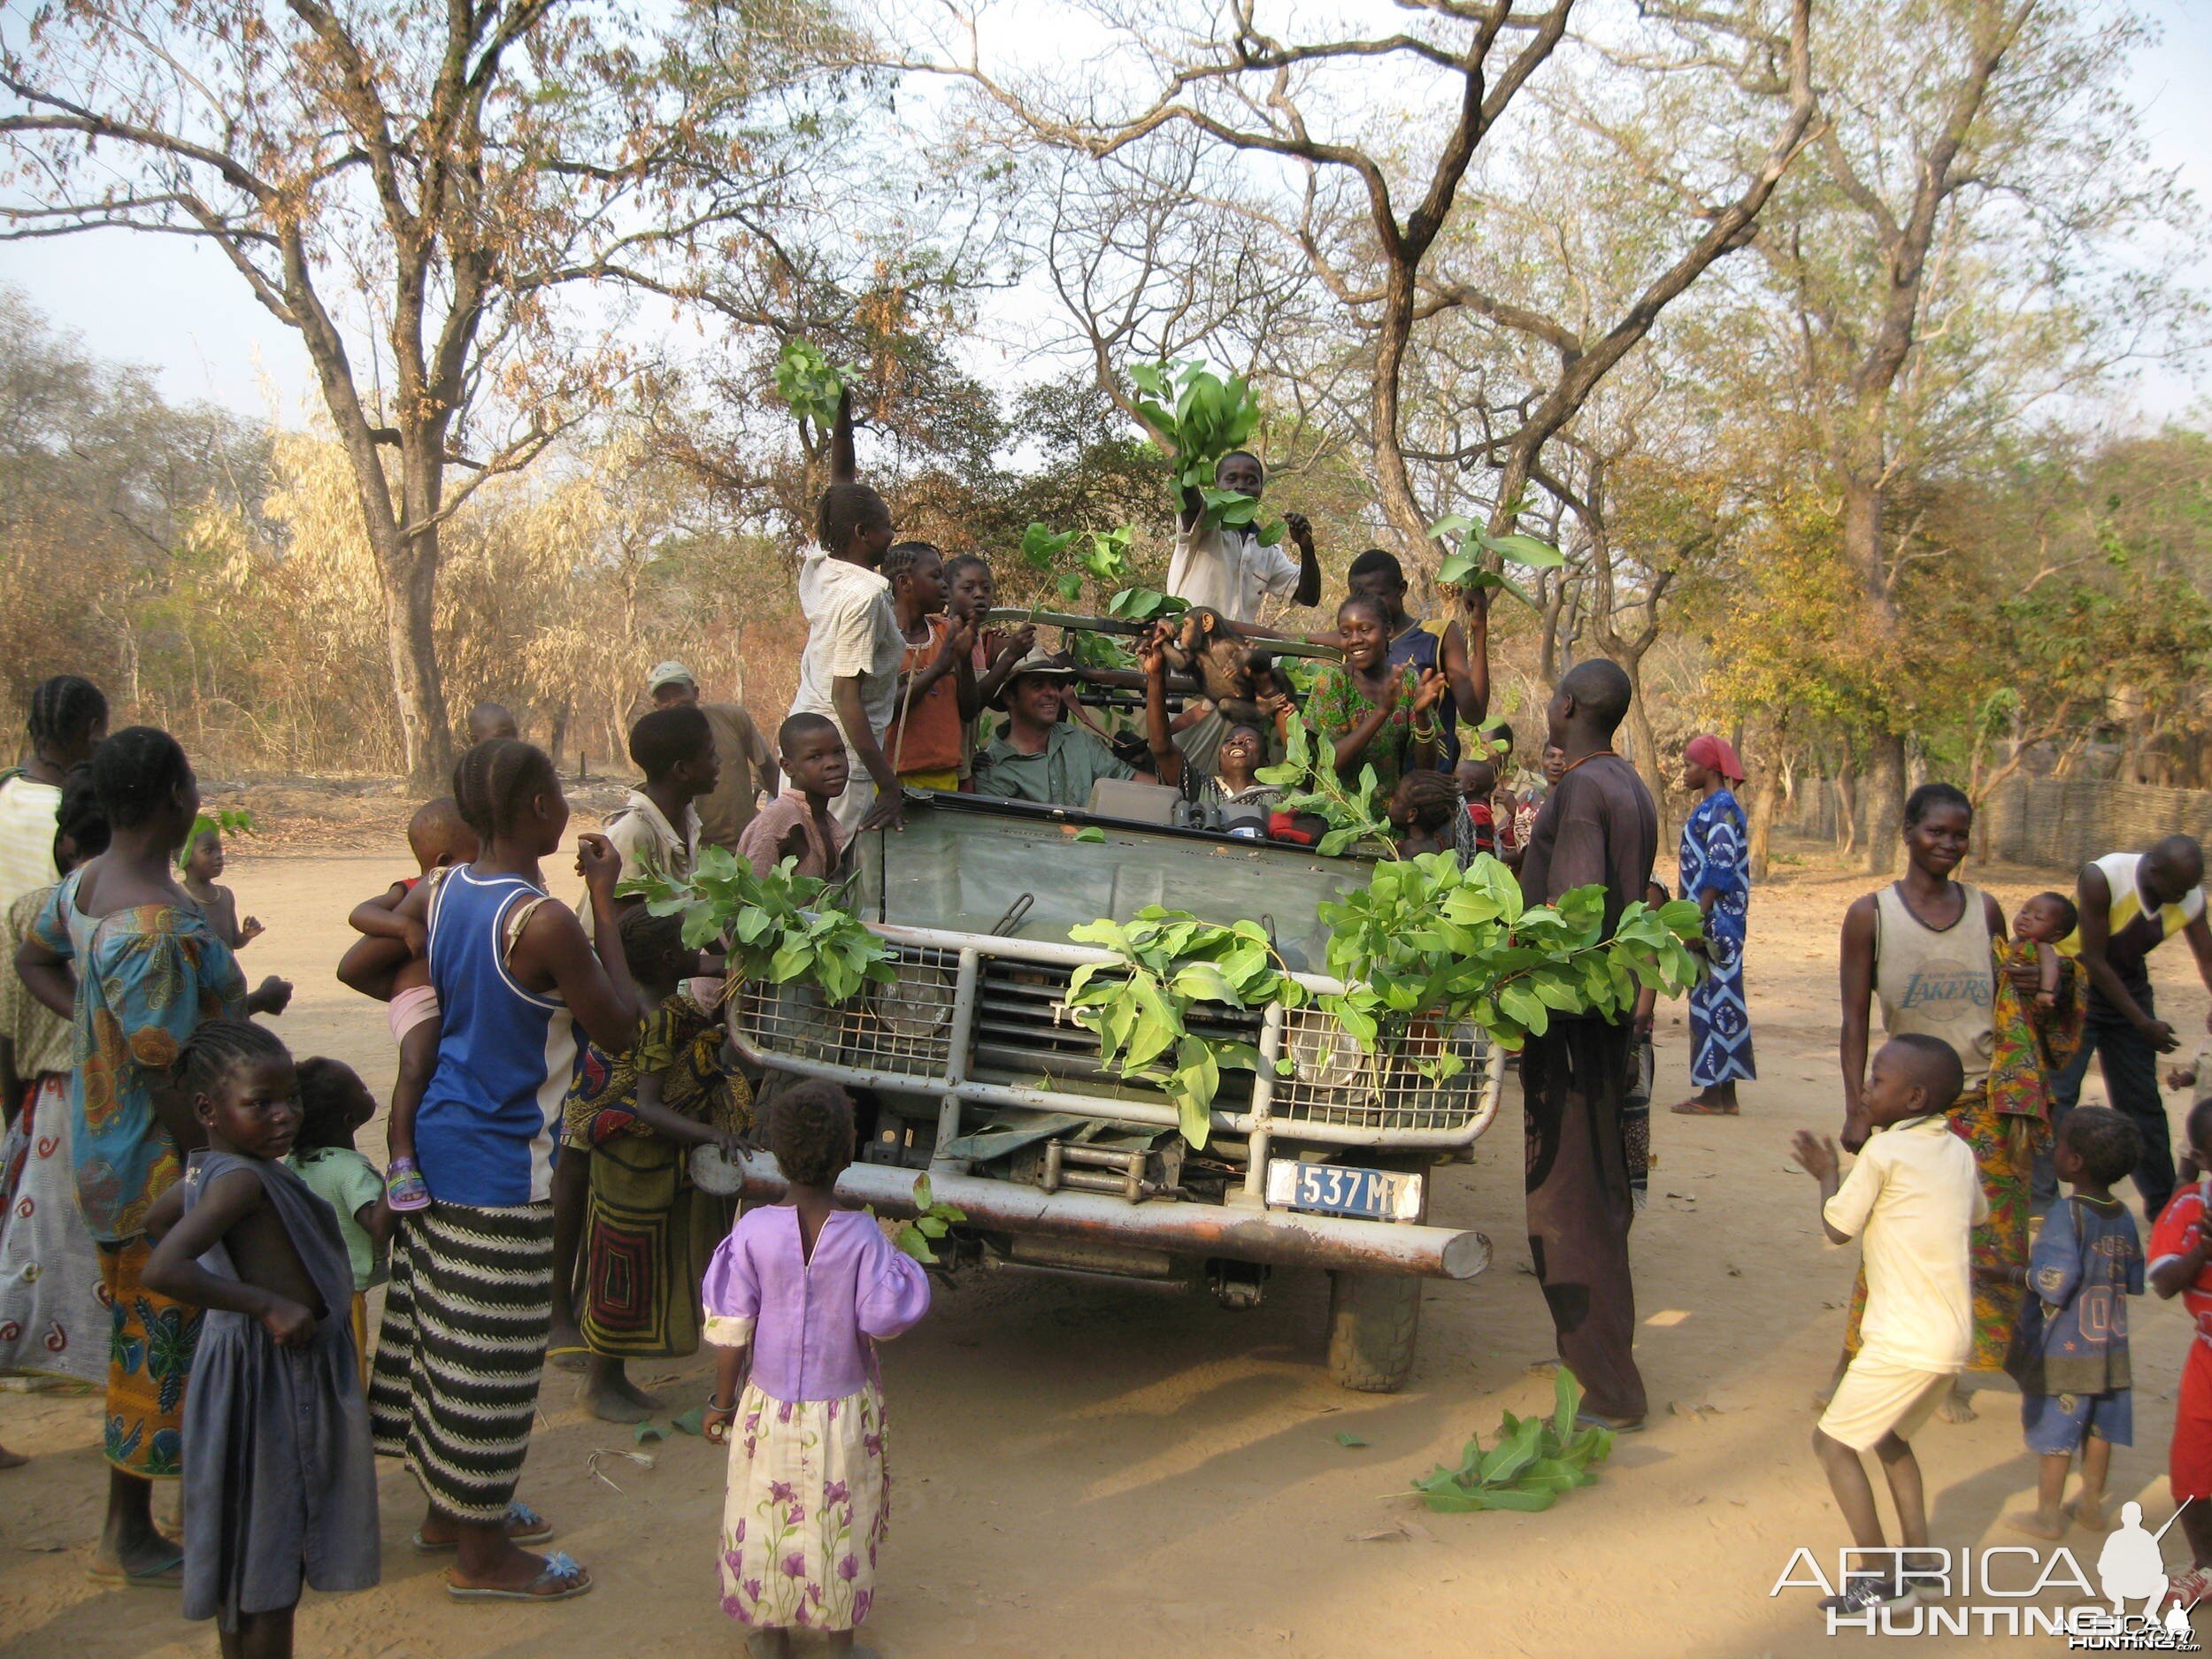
(192, 1227)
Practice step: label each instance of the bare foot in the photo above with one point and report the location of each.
(564, 1349)
(1956, 1408)
(612, 1397)
(769, 1644)
(2088, 1512)
(141, 1552)
(2035, 1523)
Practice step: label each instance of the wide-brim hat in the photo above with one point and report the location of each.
(1041, 664)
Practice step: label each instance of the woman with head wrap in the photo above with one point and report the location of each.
(1714, 873)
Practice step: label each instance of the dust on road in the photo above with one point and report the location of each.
(1097, 1472)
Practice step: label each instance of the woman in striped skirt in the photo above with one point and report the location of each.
(471, 1302)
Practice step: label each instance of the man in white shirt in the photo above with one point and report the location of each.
(1228, 570)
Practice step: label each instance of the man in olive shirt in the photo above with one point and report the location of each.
(748, 767)
(1052, 761)
(1598, 825)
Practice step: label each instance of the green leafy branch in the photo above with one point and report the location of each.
(1105, 560)
(1479, 558)
(1197, 417)
(1533, 1461)
(932, 1221)
(809, 384)
(781, 928)
(1168, 962)
(1424, 948)
(1426, 942)
(1311, 784)
(222, 820)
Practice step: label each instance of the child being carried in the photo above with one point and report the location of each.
(377, 967)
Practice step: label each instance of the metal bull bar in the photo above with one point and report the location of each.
(1284, 1237)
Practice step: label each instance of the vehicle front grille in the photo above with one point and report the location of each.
(1338, 1085)
(1021, 1032)
(1024, 1030)
(902, 1029)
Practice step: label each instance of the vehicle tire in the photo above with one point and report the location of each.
(1374, 1325)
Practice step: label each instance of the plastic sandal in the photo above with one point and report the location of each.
(404, 1188)
(525, 1526)
(167, 1577)
(561, 1569)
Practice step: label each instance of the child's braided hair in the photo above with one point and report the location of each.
(846, 508)
(810, 1132)
(652, 944)
(138, 772)
(82, 822)
(325, 1094)
(212, 1051)
(903, 556)
(492, 781)
(64, 711)
(1429, 796)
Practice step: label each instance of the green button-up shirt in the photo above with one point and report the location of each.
(1062, 775)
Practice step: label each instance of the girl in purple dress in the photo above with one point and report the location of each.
(808, 1288)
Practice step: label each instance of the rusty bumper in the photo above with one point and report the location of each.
(1280, 1237)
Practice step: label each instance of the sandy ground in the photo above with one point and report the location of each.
(1090, 1471)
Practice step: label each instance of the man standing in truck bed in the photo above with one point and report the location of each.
(1598, 824)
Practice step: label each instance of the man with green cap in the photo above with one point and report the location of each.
(748, 766)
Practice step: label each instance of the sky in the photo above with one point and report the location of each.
(175, 305)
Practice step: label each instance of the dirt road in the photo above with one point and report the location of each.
(1091, 1473)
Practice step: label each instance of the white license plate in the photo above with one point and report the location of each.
(1339, 1189)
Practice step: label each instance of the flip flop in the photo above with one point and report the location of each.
(560, 1568)
(112, 1574)
(1696, 1108)
(1618, 1425)
(570, 1357)
(525, 1526)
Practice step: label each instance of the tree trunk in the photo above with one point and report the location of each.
(1759, 838)
(1645, 741)
(1884, 802)
(409, 594)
